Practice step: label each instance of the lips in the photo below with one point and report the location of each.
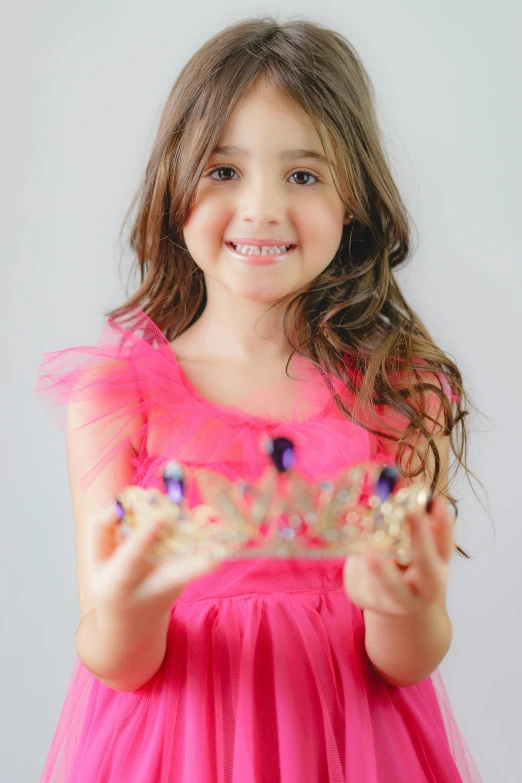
(259, 242)
(259, 259)
(235, 245)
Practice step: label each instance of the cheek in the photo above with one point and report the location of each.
(210, 211)
(321, 228)
(207, 224)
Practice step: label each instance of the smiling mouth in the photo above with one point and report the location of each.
(256, 257)
(264, 250)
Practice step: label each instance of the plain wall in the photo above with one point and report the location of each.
(82, 88)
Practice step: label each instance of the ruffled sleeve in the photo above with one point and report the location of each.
(98, 388)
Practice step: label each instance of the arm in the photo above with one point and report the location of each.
(406, 650)
(125, 600)
(407, 629)
(123, 656)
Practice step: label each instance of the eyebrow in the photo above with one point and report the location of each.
(231, 149)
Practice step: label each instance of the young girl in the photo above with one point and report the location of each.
(267, 232)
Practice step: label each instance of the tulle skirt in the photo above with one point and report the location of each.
(265, 680)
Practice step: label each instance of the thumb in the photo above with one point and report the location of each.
(174, 573)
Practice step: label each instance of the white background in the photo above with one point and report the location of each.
(82, 88)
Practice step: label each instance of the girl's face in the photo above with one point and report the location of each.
(265, 184)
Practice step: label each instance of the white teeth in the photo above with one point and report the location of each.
(264, 250)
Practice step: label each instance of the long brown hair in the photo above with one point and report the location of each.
(352, 313)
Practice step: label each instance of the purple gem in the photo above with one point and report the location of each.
(282, 454)
(119, 511)
(386, 482)
(173, 480)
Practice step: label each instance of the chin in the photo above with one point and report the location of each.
(268, 290)
(266, 293)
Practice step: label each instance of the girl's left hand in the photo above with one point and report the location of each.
(379, 584)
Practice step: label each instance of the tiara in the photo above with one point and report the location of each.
(281, 514)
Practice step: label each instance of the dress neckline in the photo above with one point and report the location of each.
(224, 409)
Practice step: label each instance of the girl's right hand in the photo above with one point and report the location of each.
(123, 582)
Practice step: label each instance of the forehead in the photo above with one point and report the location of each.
(268, 115)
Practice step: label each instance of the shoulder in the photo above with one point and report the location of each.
(104, 399)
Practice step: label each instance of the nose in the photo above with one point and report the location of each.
(262, 201)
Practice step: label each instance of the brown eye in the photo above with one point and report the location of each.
(306, 174)
(220, 168)
(230, 173)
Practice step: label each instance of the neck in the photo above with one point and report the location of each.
(235, 328)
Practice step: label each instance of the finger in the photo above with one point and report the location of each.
(441, 521)
(426, 560)
(101, 532)
(131, 558)
(423, 543)
(390, 580)
(444, 521)
(172, 575)
(360, 582)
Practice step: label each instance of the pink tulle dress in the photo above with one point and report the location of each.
(265, 679)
